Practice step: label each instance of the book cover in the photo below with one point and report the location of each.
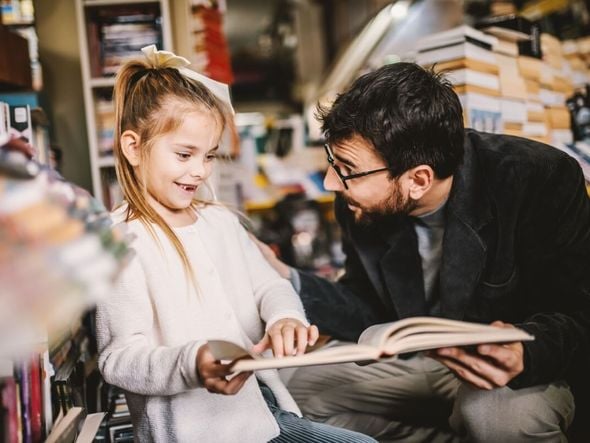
(474, 78)
(20, 122)
(511, 27)
(454, 52)
(459, 34)
(66, 429)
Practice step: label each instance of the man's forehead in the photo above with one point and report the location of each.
(353, 147)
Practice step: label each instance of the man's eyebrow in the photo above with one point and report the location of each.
(344, 161)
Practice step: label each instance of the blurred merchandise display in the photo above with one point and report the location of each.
(58, 256)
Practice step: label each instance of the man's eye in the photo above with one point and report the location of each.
(345, 170)
(183, 155)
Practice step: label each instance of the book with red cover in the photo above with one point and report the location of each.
(36, 404)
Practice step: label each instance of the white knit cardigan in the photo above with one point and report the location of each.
(151, 327)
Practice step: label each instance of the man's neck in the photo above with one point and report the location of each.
(435, 197)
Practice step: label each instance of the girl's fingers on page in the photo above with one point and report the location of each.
(288, 339)
(313, 334)
(276, 339)
(262, 345)
(301, 332)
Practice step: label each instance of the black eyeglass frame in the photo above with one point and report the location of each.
(343, 178)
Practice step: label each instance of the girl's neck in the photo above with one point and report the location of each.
(175, 218)
(181, 218)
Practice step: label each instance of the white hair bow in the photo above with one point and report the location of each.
(167, 59)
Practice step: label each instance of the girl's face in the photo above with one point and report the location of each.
(179, 163)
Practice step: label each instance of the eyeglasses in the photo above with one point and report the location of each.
(343, 178)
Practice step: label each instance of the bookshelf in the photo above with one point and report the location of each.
(110, 32)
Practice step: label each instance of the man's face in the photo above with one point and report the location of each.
(370, 197)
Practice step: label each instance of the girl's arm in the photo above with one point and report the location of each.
(127, 356)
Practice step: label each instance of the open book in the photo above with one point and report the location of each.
(377, 342)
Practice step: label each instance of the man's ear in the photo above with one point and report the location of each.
(130, 147)
(421, 180)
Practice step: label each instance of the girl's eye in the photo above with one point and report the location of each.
(211, 156)
(183, 155)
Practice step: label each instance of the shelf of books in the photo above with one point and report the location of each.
(58, 256)
(511, 78)
(112, 32)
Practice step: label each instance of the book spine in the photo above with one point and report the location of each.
(36, 403)
(23, 370)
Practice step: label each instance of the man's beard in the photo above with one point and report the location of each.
(394, 204)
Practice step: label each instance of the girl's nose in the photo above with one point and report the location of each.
(197, 169)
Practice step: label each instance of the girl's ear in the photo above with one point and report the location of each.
(130, 147)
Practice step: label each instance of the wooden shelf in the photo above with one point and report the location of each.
(102, 82)
(106, 162)
(15, 64)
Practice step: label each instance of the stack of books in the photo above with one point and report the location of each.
(573, 51)
(105, 125)
(556, 87)
(513, 96)
(465, 55)
(210, 54)
(116, 35)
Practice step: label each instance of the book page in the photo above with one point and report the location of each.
(378, 335)
(245, 361)
(432, 340)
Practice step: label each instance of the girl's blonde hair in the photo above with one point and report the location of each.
(152, 101)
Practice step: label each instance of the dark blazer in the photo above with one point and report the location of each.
(516, 248)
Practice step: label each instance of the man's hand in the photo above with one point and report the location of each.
(287, 337)
(270, 256)
(213, 374)
(492, 366)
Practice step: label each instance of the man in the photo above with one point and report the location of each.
(439, 220)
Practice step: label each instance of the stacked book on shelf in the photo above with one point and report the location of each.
(465, 55)
(105, 123)
(510, 78)
(574, 52)
(556, 88)
(117, 34)
(210, 51)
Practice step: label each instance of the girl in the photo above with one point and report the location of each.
(196, 275)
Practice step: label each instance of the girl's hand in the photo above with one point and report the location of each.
(212, 374)
(287, 337)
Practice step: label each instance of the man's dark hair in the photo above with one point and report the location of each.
(411, 115)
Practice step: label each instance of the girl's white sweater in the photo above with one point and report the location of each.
(151, 327)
